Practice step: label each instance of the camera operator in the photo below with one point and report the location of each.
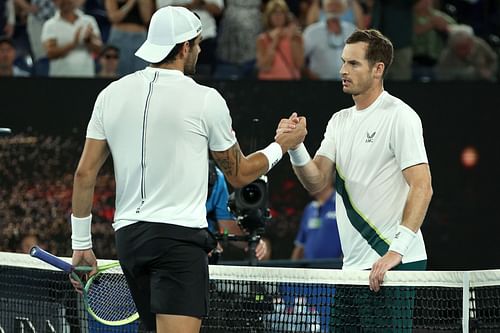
(219, 218)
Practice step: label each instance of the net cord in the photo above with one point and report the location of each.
(453, 279)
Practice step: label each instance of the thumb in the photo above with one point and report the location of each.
(303, 120)
(293, 115)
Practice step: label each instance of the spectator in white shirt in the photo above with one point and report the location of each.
(324, 41)
(70, 38)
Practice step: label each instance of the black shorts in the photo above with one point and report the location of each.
(166, 267)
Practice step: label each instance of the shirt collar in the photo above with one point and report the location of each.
(164, 71)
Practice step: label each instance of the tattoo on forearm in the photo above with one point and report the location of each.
(229, 160)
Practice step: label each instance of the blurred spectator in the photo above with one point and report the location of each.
(38, 12)
(318, 236)
(394, 18)
(27, 242)
(306, 12)
(208, 11)
(467, 57)
(430, 34)
(280, 49)
(7, 18)
(108, 62)
(351, 11)
(324, 41)
(36, 174)
(7, 58)
(129, 19)
(70, 37)
(236, 49)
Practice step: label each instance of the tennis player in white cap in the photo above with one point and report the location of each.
(159, 124)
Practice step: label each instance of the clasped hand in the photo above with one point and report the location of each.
(291, 132)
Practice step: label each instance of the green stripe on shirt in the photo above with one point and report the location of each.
(367, 229)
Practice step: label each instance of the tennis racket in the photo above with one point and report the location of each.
(106, 297)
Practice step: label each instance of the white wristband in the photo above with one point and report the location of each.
(299, 156)
(81, 232)
(402, 240)
(273, 153)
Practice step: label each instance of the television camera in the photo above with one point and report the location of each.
(249, 205)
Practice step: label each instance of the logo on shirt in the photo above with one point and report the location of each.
(370, 137)
(397, 235)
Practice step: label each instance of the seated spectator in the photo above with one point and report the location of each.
(108, 62)
(467, 57)
(7, 58)
(280, 49)
(208, 11)
(27, 242)
(430, 31)
(239, 27)
(129, 19)
(351, 10)
(324, 41)
(70, 37)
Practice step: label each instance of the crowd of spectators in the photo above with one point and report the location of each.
(36, 173)
(36, 180)
(264, 39)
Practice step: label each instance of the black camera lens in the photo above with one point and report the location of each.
(251, 194)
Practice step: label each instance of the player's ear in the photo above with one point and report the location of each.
(378, 70)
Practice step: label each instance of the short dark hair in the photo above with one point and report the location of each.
(7, 40)
(379, 49)
(107, 48)
(174, 52)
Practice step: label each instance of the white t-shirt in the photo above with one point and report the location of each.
(78, 62)
(159, 125)
(370, 148)
(209, 26)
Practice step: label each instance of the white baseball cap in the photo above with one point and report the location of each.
(169, 26)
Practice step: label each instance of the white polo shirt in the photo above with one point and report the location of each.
(78, 62)
(370, 148)
(159, 125)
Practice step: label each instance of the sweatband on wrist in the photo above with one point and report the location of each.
(402, 240)
(81, 232)
(299, 156)
(273, 153)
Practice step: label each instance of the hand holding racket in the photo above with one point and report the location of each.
(84, 259)
(106, 296)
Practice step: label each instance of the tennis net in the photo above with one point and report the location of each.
(34, 297)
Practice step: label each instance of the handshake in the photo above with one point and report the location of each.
(291, 132)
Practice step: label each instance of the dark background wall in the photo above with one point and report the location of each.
(462, 228)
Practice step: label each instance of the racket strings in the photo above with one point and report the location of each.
(109, 298)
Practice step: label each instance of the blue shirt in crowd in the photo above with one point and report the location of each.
(318, 233)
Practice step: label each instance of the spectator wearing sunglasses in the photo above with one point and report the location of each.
(108, 62)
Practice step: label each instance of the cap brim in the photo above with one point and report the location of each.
(153, 53)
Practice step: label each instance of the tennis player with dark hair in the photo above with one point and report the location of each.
(158, 124)
(383, 179)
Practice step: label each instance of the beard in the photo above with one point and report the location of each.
(190, 64)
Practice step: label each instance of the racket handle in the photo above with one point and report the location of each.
(51, 259)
